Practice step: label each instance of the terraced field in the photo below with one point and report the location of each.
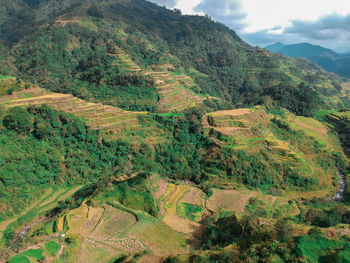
(113, 121)
(243, 129)
(174, 90)
(181, 207)
(253, 131)
(125, 62)
(113, 229)
(236, 201)
(47, 202)
(33, 215)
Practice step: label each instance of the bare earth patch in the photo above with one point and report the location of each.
(237, 112)
(231, 200)
(161, 189)
(194, 197)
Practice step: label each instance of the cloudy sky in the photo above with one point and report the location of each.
(263, 22)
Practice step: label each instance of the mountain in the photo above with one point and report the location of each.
(133, 133)
(326, 58)
(88, 62)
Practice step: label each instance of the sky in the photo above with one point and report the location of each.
(264, 22)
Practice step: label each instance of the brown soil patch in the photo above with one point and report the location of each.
(182, 225)
(237, 112)
(151, 259)
(194, 197)
(231, 200)
(162, 186)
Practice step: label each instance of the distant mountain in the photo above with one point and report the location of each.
(324, 57)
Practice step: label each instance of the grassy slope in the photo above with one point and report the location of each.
(250, 130)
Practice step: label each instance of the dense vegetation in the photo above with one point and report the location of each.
(252, 242)
(79, 59)
(41, 147)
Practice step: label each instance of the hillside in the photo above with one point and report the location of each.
(132, 133)
(324, 57)
(70, 55)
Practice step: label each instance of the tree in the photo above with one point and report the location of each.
(283, 230)
(18, 120)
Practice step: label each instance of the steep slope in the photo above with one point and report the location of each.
(70, 55)
(113, 122)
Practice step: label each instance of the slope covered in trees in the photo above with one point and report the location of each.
(73, 50)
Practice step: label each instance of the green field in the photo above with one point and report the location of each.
(52, 248)
(31, 253)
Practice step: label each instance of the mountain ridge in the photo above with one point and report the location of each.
(324, 57)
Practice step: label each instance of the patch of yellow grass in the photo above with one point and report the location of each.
(83, 219)
(171, 203)
(60, 224)
(181, 225)
(43, 97)
(170, 188)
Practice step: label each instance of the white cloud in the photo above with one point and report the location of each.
(271, 13)
(167, 3)
(227, 12)
(262, 22)
(187, 6)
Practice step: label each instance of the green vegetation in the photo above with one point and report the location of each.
(320, 249)
(249, 241)
(19, 259)
(52, 248)
(71, 55)
(43, 155)
(31, 253)
(189, 211)
(132, 194)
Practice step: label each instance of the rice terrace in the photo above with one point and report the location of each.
(137, 131)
